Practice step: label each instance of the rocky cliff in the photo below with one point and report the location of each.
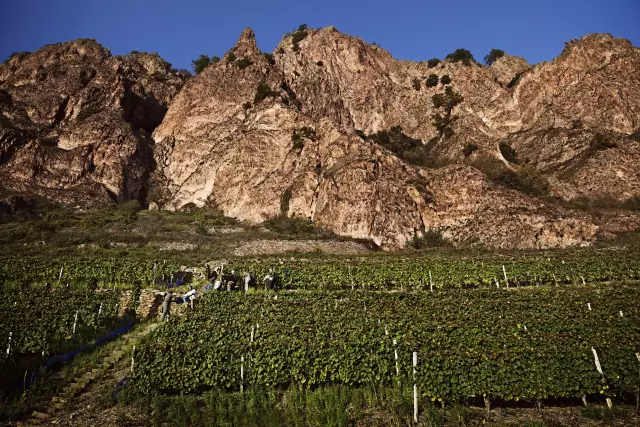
(336, 131)
(76, 122)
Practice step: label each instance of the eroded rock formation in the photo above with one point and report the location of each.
(300, 132)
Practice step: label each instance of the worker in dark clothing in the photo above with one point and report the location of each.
(166, 305)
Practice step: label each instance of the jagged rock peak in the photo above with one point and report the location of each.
(246, 45)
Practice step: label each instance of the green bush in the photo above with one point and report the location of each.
(411, 150)
(468, 149)
(432, 80)
(231, 57)
(438, 100)
(263, 91)
(200, 64)
(429, 239)
(433, 62)
(243, 63)
(461, 55)
(246, 105)
(298, 35)
(508, 153)
(416, 83)
(493, 55)
(127, 212)
(445, 80)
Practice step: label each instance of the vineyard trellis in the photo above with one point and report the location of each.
(522, 345)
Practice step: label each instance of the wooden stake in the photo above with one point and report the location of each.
(430, 281)
(75, 322)
(395, 352)
(132, 353)
(415, 388)
(9, 346)
(505, 276)
(241, 374)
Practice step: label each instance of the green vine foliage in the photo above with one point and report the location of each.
(447, 271)
(42, 269)
(510, 345)
(42, 321)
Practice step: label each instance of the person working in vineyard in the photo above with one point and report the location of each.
(166, 305)
(189, 296)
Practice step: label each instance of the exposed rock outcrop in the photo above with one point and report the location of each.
(285, 134)
(75, 121)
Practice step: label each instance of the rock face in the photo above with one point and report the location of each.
(75, 121)
(301, 132)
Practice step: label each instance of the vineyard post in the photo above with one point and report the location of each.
(497, 283)
(589, 306)
(351, 278)
(60, 276)
(415, 388)
(430, 281)
(100, 310)
(395, 353)
(583, 283)
(621, 315)
(9, 346)
(133, 352)
(75, 322)
(505, 276)
(241, 374)
(599, 369)
(554, 279)
(252, 334)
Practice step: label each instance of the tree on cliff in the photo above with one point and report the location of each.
(202, 62)
(493, 56)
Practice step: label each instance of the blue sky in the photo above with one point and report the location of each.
(414, 30)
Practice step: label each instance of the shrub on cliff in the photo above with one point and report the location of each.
(243, 63)
(445, 80)
(492, 56)
(433, 62)
(200, 64)
(263, 91)
(416, 83)
(432, 80)
(429, 239)
(461, 55)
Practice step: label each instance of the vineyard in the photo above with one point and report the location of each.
(448, 271)
(35, 269)
(371, 273)
(37, 324)
(506, 345)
